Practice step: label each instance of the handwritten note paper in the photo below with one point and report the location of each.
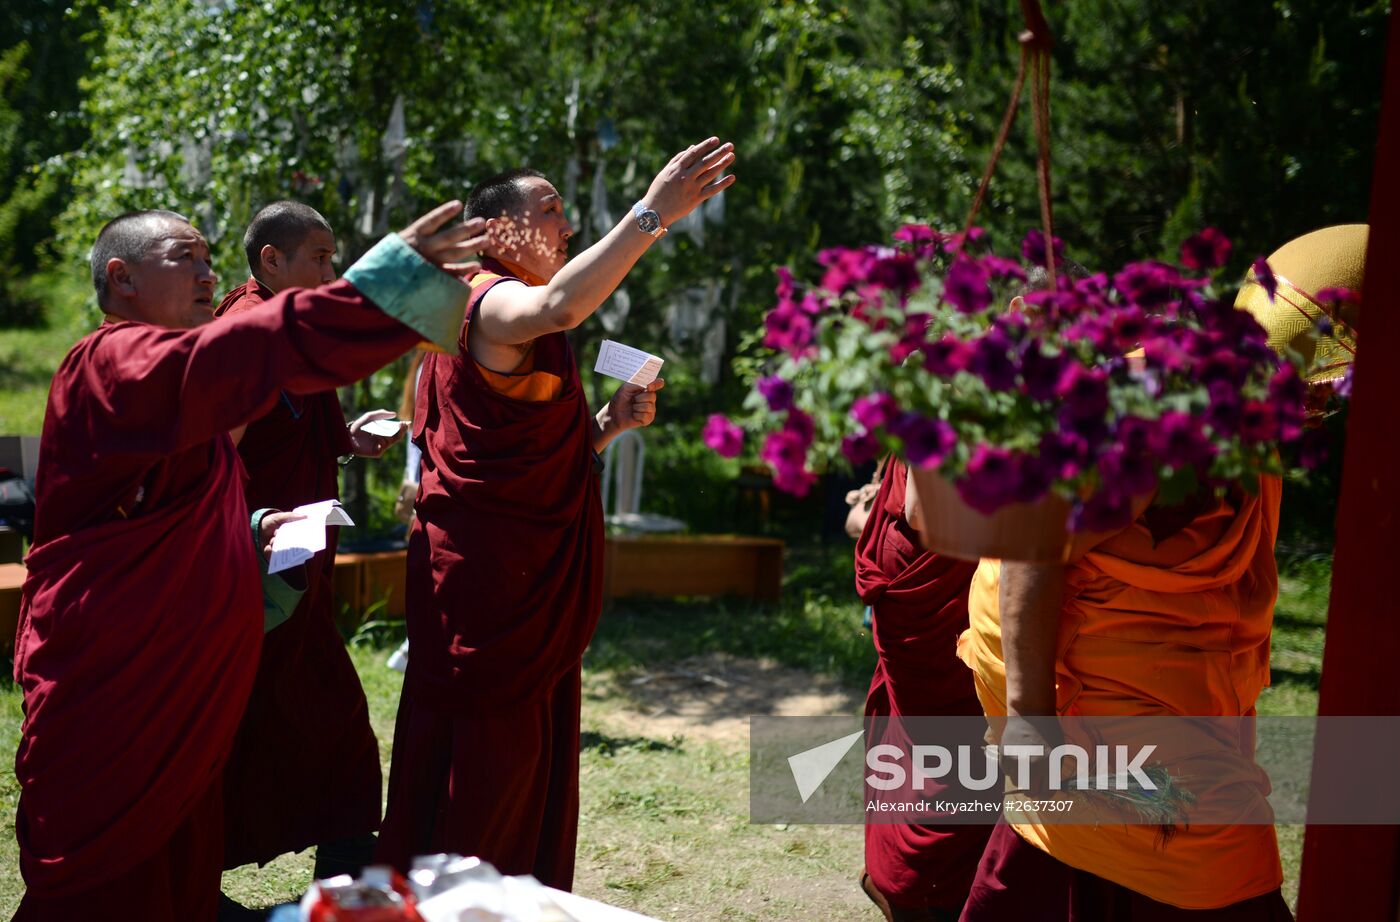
(297, 542)
(627, 364)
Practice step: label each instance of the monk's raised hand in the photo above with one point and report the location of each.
(268, 525)
(453, 247)
(369, 445)
(634, 406)
(693, 175)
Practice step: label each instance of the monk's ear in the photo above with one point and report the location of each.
(1018, 305)
(269, 258)
(119, 280)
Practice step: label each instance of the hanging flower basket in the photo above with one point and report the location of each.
(1037, 532)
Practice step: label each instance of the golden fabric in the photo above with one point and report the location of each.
(523, 383)
(1177, 629)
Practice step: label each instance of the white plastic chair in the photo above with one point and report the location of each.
(623, 462)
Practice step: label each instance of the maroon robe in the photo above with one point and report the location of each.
(305, 764)
(141, 617)
(919, 603)
(1016, 880)
(503, 594)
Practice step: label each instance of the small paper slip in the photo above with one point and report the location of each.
(627, 364)
(388, 428)
(297, 542)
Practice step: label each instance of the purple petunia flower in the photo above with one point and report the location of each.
(1131, 472)
(991, 360)
(1336, 296)
(1265, 276)
(785, 284)
(999, 267)
(947, 356)
(1063, 455)
(966, 286)
(777, 391)
(1312, 450)
(1207, 250)
(1083, 391)
(991, 480)
(1106, 511)
(895, 271)
(920, 237)
(1226, 411)
(846, 267)
(1033, 247)
(800, 425)
(874, 410)
(1178, 440)
(789, 329)
(784, 450)
(1148, 284)
(860, 447)
(1258, 422)
(1288, 393)
(723, 437)
(926, 440)
(1040, 372)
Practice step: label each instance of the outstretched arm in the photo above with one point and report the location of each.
(514, 314)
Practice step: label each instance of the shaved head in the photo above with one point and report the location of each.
(283, 226)
(502, 194)
(130, 238)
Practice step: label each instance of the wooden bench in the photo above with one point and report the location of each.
(641, 565)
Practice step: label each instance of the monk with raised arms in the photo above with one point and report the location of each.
(142, 616)
(505, 556)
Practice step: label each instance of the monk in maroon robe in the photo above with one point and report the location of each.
(141, 617)
(305, 764)
(919, 600)
(505, 555)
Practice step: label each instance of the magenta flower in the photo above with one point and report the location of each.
(897, 272)
(1148, 284)
(874, 410)
(920, 237)
(1288, 393)
(789, 329)
(966, 286)
(860, 447)
(926, 441)
(915, 330)
(1033, 247)
(1207, 250)
(845, 268)
(777, 391)
(946, 357)
(796, 481)
(1129, 471)
(1258, 423)
(991, 480)
(952, 243)
(785, 284)
(800, 425)
(991, 360)
(1337, 296)
(785, 450)
(999, 267)
(1105, 511)
(1265, 276)
(723, 437)
(1083, 392)
(1344, 385)
(1040, 373)
(1312, 450)
(1178, 440)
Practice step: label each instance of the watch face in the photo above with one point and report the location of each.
(649, 221)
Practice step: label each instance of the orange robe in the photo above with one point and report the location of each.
(1177, 629)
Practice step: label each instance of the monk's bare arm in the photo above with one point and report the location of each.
(1031, 595)
(514, 314)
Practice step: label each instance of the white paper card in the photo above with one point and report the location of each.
(627, 364)
(388, 428)
(297, 542)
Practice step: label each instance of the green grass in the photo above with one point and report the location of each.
(664, 816)
(29, 356)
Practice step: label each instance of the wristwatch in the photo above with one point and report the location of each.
(648, 221)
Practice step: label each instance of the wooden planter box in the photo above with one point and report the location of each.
(701, 565)
(11, 579)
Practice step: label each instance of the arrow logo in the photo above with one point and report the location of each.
(811, 767)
